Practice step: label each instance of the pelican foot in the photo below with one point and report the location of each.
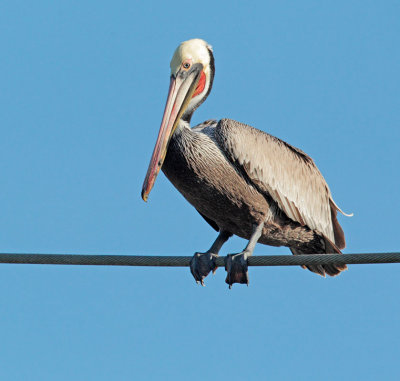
(201, 264)
(236, 267)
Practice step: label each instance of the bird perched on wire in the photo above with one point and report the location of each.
(243, 181)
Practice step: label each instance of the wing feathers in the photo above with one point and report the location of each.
(337, 229)
(286, 173)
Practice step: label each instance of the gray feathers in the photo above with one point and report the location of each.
(237, 176)
(284, 172)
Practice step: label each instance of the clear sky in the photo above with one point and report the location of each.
(82, 90)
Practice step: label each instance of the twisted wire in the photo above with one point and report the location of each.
(184, 261)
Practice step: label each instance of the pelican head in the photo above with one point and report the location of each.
(192, 74)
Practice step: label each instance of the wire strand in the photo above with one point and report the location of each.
(184, 261)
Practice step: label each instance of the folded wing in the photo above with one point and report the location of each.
(284, 172)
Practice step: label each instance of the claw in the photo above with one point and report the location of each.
(237, 269)
(201, 264)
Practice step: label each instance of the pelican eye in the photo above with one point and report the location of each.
(186, 65)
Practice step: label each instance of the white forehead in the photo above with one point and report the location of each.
(196, 50)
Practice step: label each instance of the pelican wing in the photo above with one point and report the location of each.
(284, 172)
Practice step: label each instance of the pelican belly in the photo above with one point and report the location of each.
(198, 168)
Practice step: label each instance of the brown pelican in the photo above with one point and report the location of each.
(243, 181)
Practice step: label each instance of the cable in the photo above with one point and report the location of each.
(179, 261)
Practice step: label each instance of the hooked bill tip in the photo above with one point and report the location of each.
(144, 195)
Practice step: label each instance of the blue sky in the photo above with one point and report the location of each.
(83, 86)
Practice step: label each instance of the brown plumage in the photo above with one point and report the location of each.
(237, 176)
(243, 181)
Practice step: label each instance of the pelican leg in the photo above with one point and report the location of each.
(202, 263)
(236, 264)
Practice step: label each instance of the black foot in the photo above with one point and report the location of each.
(236, 267)
(201, 264)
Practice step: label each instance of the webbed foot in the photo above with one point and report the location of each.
(201, 264)
(236, 267)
